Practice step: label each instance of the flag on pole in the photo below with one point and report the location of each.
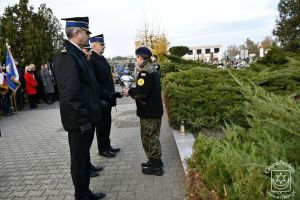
(12, 75)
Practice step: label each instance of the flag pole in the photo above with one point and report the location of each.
(15, 102)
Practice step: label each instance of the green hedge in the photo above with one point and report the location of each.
(237, 162)
(283, 80)
(176, 64)
(204, 97)
(275, 56)
(261, 124)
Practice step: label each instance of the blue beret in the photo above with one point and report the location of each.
(143, 51)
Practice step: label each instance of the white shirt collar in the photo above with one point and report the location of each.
(75, 45)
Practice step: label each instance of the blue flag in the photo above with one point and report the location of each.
(12, 75)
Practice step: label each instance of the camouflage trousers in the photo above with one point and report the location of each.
(150, 131)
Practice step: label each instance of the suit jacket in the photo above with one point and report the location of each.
(78, 88)
(102, 71)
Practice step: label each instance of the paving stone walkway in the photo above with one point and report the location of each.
(35, 161)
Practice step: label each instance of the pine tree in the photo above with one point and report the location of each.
(33, 37)
(288, 25)
(52, 35)
(250, 46)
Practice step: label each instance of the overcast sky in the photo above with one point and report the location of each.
(185, 22)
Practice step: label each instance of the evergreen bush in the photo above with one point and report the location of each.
(204, 97)
(179, 50)
(234, 166)
(180, 64)
(275, 56)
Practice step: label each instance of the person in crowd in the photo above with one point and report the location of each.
(30, 86)
(102, 71)
(56, 94)
(2, 88)
(80, 106)
(147, 95)
(40, 94)
(20, 91)
(119, 70)
(87, 49)
(93, 169)
(5, 94)
(130, 65)
(154, 61)
(48, 81)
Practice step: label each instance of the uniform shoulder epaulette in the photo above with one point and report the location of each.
(64, 50)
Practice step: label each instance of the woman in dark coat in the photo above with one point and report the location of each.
(47, 79)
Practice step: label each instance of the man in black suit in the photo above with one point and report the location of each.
(80, 106)
(103, 74)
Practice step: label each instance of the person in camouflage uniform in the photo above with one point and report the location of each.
(147, 95)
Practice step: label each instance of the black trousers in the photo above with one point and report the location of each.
(103, 131)
(32, 100)
(49, 98)
(80, 162)
(20, 98)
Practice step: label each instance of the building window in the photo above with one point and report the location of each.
(190, 52)
(199, 51)
(207, 51)
(216, 50)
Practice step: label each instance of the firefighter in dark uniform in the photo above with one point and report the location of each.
(93, 169)
(80, 106)
(147, 95)
(103, 74)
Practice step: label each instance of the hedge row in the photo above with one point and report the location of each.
(261, 124)
(204, 96)
(234, 167)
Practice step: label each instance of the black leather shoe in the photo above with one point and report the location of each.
(98, 195)
(153, 171)
(107, 154)
(93, 173)
(146, 164)
(114, 150)
(96, 169)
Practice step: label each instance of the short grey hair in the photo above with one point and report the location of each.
(70, 31)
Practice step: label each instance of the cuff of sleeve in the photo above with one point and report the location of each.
(130, 92)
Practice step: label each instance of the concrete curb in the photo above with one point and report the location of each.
(184, 145)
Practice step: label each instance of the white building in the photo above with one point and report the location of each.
(205, 53)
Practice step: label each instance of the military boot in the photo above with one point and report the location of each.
(155, 168)
(146, 164)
